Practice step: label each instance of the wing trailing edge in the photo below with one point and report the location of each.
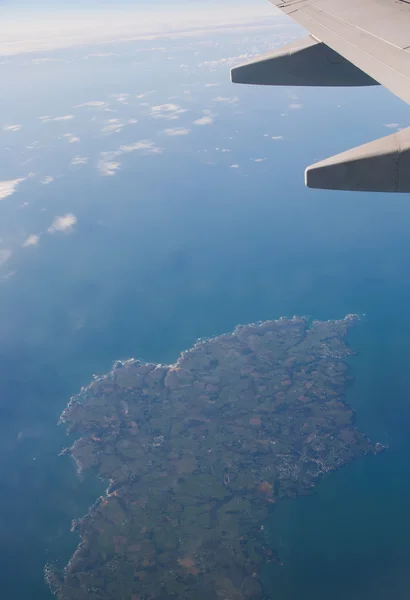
(305, 62)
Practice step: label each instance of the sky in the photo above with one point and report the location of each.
(27, 27)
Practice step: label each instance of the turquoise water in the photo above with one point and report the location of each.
(173, 248)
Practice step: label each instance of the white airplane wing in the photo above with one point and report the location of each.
(353, 42)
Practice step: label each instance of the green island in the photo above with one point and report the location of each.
(197, 453)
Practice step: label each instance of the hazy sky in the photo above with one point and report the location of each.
(38, 27)
(98, 4)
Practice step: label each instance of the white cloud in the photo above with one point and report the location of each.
(145, 94)
(177, 131)
(47, 180)
(40, 61)
(32, 240)
(147, 146)
(121, 98)
(12, 127)
(106, 165)
(79, 160)
(7, 188)
(225, 61)
(64, 223)
(92, 104)
(100, 55)
(71, 138)
(167, 111)
(392, 125)
(259, 160)
(277, 137)
(208, 85)
(204, 121)
(112, 126)
(5, 256)
(234, 167)
(132, 121)
(233, 100)
(47, 119)
(295, 106)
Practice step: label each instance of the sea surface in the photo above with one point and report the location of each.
(173, 248)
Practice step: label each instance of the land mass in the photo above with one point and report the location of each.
(196, 454)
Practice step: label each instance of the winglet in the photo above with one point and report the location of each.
(379, 166)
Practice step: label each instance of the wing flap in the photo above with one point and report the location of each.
(376, 42)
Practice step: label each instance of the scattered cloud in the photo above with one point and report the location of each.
(177, 131)
(112, 126)
(32, 240)
(79, 160)
(132, 121)
(121, 98)
(106, 165)
(7, 188)
(167, 111)
(48, 179)
(234, 167)
(71, 138)
(92, 104)
(47, 119)
(146, 146)
(40, 61)
(145, 94)
(12, 127)
(295, 106)
(64, 223)
(208, 85)
(277, 137)
(233, 100)
(392, 125)
(100, 55)
(204, 121)
(259, 160)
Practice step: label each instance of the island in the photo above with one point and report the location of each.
(196, 455)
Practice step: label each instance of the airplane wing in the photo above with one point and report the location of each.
(353, 42)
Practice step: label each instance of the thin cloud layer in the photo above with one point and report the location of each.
(204, 121)
(177, 131)
(32, 240)
(106, 165)
(80, 160)
(146, 146)
(48, 119)
(112, 126)
(233, 100)
(48, 179)
(92, 104)
(64, 223)
(5, 256)
(71, 138)
(12, 127)
(167, 111)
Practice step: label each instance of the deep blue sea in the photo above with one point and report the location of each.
(180, 244)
